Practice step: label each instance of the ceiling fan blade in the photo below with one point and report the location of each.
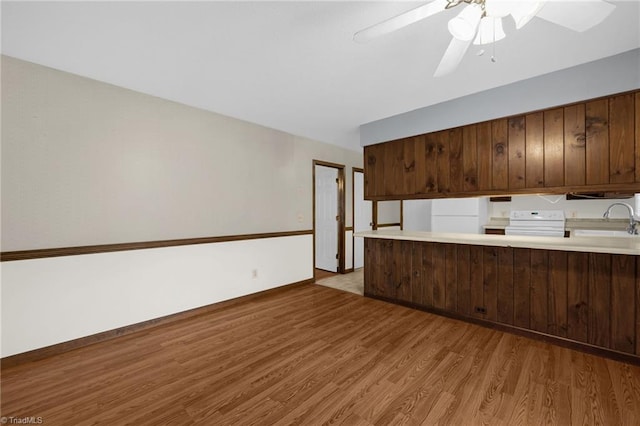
(400, 21)
(576, 16)
(452, 56)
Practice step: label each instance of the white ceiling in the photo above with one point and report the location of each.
(291, 65)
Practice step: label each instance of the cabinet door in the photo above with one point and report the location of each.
(428, 268)
(420, 154)
(456, 161)
(558, 300)
(439, 275)
(463, 275)
(522, 287)
(451, 277)
(500, 154)
(417, 277)
(516, 153)
(378, 264)
(470, 158)
(405, 263)
(409, 167)
(621, 143)
(599, 299)
(539, 290)
(429, 184)
(574, 145)
(577, 296)
(490, 281)
(505, 285)
(623, 288)
(597, 142)
(554, 148)
(534, 137)
(374, 170)
(476, 283)
(393, 168)
(483, 143)
(442, 161)
(371, 268)
(392, 265)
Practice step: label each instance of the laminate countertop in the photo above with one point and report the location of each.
(612, 245)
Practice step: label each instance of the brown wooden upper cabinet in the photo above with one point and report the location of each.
(587, 146)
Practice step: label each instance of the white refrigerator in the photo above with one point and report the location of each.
(416, 215)
(459, 215)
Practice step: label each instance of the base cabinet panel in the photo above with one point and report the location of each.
(581, 298)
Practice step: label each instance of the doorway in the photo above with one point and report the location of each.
(362, 217)
(328, 216)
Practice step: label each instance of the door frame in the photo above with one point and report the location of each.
(355, 170)
(341, 212)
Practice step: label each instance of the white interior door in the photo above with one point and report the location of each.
(326, 184)
(362, 218)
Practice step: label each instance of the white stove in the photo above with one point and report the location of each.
(548, 223)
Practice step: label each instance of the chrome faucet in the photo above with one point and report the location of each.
(632, 220)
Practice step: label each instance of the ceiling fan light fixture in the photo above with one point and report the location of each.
(400, 21)
(525, 11)
(464, 26)
(489, 31)
(499, 8)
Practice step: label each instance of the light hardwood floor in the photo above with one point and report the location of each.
(313, 355)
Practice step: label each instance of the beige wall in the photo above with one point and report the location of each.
(85, 162)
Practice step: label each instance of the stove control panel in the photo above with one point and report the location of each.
(538, 215)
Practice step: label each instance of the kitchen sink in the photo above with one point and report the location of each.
(600, 233)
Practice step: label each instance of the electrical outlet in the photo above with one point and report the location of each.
(254, 273)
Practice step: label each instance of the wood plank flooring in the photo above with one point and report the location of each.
(314, 355)
(321, 274)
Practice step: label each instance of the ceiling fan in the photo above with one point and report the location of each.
(480, 21)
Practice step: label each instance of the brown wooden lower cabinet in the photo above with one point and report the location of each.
(588, 301)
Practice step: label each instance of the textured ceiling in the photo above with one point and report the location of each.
(292, 65)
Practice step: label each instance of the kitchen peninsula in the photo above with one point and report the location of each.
(581, 292)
